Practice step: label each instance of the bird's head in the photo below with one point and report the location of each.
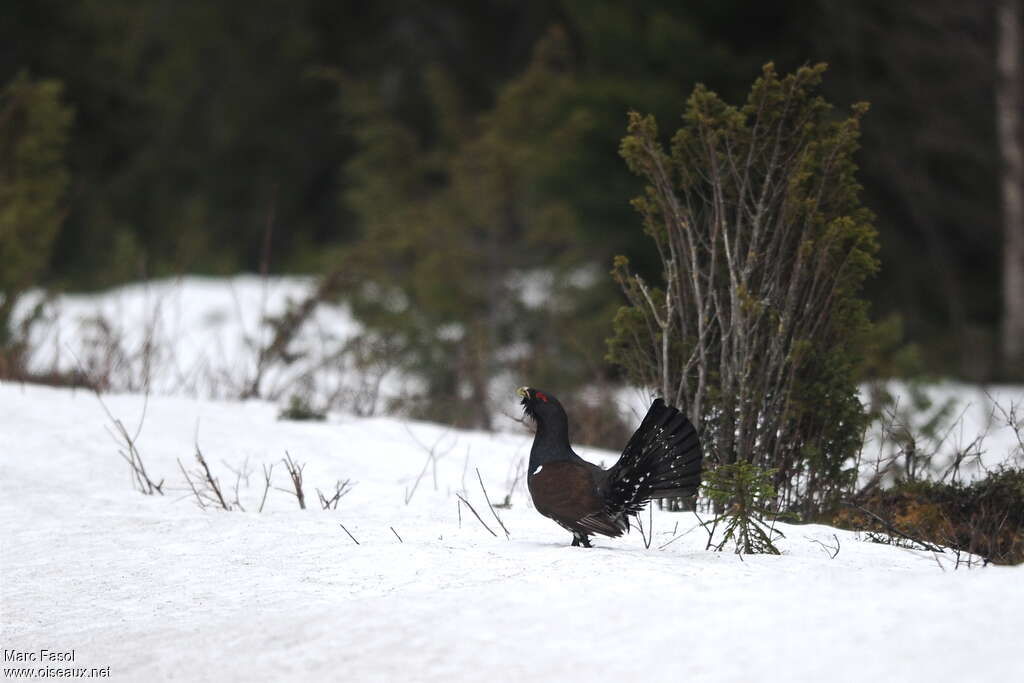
(539, 404)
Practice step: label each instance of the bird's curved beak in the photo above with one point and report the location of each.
(521, 392)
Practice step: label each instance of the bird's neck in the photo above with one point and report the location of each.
(551, 444)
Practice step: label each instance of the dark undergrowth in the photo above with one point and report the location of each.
(984, 518)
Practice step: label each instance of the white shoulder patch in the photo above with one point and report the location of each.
(539, 468)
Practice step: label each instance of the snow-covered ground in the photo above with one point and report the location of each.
(158, 589)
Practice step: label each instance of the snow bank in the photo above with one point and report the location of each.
(203, 337)
(974, 425)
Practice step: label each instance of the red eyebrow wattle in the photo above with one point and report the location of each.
(542, 397)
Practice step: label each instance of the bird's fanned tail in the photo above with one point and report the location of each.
(662, 460)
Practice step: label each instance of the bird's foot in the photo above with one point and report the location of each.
(580, 541)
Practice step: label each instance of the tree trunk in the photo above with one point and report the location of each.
(1011, 145)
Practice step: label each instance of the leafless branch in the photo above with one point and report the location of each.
(204, 486)
(340, 489)
(488, 499)
(1011, 419)
(431, 461)
(211, 481)
(710, 532)
(195, 492)
(295, 474)
(268, 472)
(648, 534)
(831, 550)
(350, 533)
(241, 474)
(473, 510)
(129, 450)
(676, 537)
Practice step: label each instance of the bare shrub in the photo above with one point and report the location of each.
(111, 363)
(1013, 418)
(295, 475)
(912, 438)
(284, 329)
(128, 450)
(434, 454)
(208, 492)
(204, 486)
(340, 489)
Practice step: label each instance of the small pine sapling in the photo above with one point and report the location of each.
(744, 493)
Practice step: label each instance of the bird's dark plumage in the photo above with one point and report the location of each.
(662, 460)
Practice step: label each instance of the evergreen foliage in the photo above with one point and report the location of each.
(466, 260)
(299, 409)
(208, 139)
(34, 126)
(745, 494)
(758, 328)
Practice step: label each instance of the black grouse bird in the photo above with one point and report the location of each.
(661, 460)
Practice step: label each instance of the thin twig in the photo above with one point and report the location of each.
(643, 532)
(650, 521)
(132, 457)
(396, 534)
(195, 492)
(295, 473)
(211, 482)
(473, 510)
(488, 499)
(267, 473)
(350, 533)
(832, 552)
(710, 532)
(241, 473)
(676, 538)
(340, 489)
(432, 458)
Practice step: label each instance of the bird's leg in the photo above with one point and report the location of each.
(580, 540)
